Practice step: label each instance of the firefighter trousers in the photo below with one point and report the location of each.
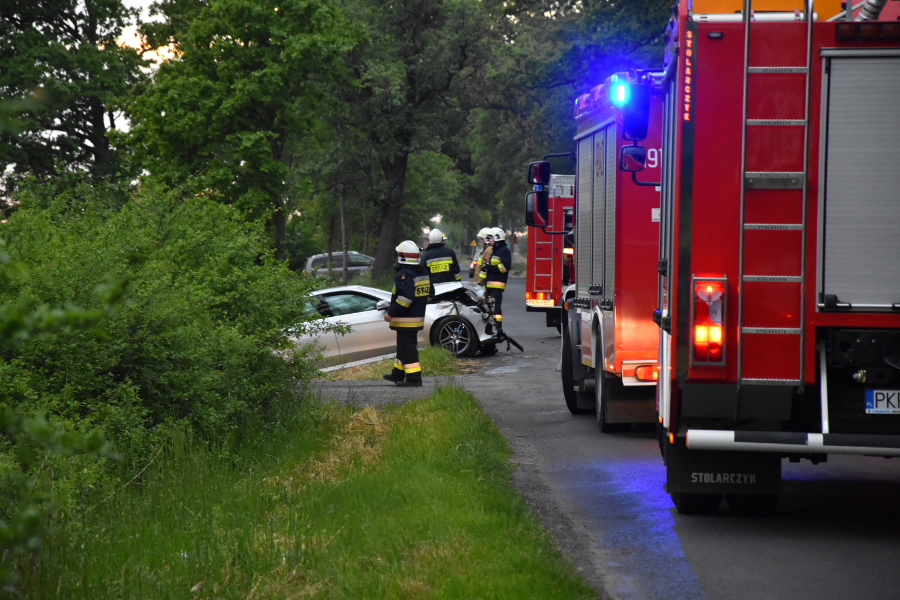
(407, 361)
(497, 295)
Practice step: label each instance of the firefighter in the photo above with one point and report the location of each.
(412, 287)
(486, 237)
(440, 260)
(498, 273)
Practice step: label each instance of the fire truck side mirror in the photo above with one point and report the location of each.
(636, 113)
(537, 209)
(633, 158)
(539, 173)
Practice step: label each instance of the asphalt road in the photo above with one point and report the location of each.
(833, 535)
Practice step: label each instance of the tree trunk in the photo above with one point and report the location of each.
(344, 273)
(330, 244)
(365, 209)
(388, 236)
(280, 229)
(97, 110)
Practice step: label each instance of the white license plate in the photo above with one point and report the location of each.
(883, 402)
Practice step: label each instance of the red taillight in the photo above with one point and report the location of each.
(646, 373)
(528, 295)
(541, 295)
(708, 321)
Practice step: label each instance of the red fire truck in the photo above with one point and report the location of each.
(778, 300)
(549, 251)
(609, 338)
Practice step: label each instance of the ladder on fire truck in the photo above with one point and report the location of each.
(773, 273)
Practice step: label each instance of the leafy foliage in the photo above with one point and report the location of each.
(244, 86)
(193, 342)
(61, 62)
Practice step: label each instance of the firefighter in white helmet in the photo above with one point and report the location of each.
(440, 260)
(487, 237)
(412, 287)
(498, 273)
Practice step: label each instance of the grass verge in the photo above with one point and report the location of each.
(412, 502)
(435, 361)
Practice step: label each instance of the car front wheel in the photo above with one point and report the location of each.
(456, 335)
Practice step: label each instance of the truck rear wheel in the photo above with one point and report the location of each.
(568, 380)
(696, 504)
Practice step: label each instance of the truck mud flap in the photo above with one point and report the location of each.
(632, 405)
(716, 472)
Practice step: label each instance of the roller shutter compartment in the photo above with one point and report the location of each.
(859, 215)
(583, 219)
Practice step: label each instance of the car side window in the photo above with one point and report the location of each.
(360, 261)
(309, 307)
(337, 261)
(349, 303)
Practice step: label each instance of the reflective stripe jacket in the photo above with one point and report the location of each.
(498, 270)
(480, 268)
(412, 287)
(441, 263)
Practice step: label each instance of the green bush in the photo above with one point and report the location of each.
(199, 340)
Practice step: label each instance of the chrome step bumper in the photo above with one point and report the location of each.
(794, 443)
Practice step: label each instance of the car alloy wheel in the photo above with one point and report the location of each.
(456, 335)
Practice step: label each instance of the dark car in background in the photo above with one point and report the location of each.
(318, 264)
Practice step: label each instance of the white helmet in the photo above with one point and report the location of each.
(485, 233)
(436, 237)
(499, 234)
(408, 253)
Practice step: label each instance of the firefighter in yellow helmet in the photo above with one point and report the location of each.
(412, 287)
(498, 273)
(486, 237)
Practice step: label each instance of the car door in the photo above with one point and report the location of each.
(370, 335)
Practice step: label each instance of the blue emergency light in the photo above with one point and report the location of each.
(619, 91)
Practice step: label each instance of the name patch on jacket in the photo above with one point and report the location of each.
(423, 286)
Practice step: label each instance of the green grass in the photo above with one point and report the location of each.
(435, 361)
(411, 502)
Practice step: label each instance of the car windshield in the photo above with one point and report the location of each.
(337, 260)
(347, 303)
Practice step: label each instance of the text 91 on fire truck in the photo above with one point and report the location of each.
(778, 300)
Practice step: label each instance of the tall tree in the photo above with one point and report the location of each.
(245, 83)
(556, 52)
(64, 56)
(419, 57)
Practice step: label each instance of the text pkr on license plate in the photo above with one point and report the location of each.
(883, 402)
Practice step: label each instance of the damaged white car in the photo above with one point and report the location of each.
(456, 319)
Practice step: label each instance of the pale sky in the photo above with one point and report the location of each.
(129, 35)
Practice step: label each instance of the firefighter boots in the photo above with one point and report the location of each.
(412, 380)
(396, 375)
